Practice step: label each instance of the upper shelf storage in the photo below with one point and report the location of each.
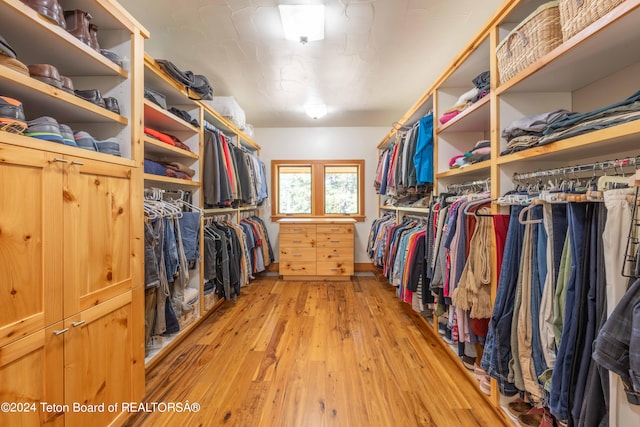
(459, 92)
(606, 46)
(221, 123)
(26, 31)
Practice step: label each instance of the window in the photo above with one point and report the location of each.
(318, 188)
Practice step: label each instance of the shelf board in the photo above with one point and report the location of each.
(40, 99)
(476, 169)
(160, 119)
(155, 78)
(406, 209)
(159, 148)
(213, 211)
(596, 52)
(150, 178)
(69, 55)
(54, 147)
(604, 142)
(474, 118)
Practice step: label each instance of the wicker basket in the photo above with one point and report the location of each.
(578, 14)
(533, 38)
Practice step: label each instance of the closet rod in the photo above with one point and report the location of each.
(482, 182)
(591, 167)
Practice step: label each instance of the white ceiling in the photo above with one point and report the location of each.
(377, 59)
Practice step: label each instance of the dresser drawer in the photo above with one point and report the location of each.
(297, 268)
(342, 229)
(338, 268)
(297, 254)
(335, 240)
(335, 254)
(302, 229)
(297, 241)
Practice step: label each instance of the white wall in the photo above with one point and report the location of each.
(349, 143)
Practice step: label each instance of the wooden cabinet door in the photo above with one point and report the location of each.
(31, 378)
(30, 241)
(98, 361)
(98, 227)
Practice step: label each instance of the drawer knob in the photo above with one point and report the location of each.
(80, 323)
(297, 241)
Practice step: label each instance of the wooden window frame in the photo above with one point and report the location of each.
(317, 188)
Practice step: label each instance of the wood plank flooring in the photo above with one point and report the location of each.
(314, 354)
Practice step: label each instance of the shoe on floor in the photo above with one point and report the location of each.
(519, 407)
(532, 420)
(485, 385)
(468, 362)
(478, 372)
(45, 128)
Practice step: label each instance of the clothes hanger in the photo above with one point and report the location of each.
(521, 219)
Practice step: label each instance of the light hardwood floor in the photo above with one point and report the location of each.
(315, 354)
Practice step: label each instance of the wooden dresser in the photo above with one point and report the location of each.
(316, 249)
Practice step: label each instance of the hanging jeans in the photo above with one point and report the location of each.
(555, 224)
(595, 407)
(585, 315)
(561, 378)
(538, 278)
(497, 351)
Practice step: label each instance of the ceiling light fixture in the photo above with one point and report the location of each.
(302, 23)
(316, 111)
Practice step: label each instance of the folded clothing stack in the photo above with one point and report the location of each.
(526, 132)
(166, 138)
(617, 113)
(172, 169)
(480, 90)
(480, 152)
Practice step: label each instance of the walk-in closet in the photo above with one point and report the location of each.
(320, 213)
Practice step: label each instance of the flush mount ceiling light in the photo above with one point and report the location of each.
(303, 23)
(315, 111)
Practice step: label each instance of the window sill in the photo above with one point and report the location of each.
(358, 218)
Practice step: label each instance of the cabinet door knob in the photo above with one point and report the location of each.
(76, 324)
(297, 254)
(61, 331)
(75, 162)
(297, 241)
(58, 159)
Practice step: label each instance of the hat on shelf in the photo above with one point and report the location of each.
(14, 64)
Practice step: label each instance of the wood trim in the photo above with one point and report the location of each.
(364, 267)
(317, 187)
(169, 180)
(480, 166)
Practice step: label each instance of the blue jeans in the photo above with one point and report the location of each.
(539, 274)
(587, 314)
(497, 352)
(561, 378)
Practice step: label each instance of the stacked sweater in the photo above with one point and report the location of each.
(480, 152)
(479, 91)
